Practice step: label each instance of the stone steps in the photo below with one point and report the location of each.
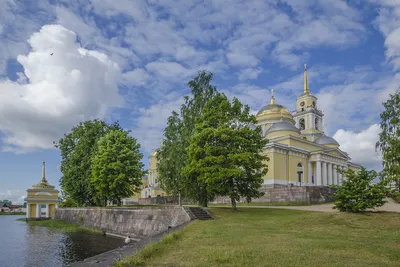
(200, 213)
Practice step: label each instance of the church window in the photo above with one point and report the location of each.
(316, 123)
(156, 181)
(299, 165)
(302, 124)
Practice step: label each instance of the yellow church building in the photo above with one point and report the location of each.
(299, 152)
(150, 183)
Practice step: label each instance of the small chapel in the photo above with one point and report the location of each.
(300, 154)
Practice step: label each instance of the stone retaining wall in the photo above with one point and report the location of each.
(305, 194)
(139, 223)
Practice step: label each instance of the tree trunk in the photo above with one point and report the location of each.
(233, 201)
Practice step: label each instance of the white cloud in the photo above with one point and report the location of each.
(249, 74)
(169, 70)
(361, 145)
(137, 77)
(149, 126)
(72, 85)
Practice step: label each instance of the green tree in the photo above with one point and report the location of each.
(117, 170)
(172, 155)
(226, 151)
(389, 140)
(77, 149)
(171, 159)
(357, 193)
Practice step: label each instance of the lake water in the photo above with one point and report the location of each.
(37, 246)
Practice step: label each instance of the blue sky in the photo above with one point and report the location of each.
(131, 60)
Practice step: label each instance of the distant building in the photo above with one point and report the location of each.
(3, 207)
(150, 183)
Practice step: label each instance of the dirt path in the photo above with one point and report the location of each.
(391, 206)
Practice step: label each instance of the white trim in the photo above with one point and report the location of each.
(42, 193)
(285, 182)
(28, 210)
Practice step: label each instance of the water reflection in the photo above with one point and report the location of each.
(26, 245)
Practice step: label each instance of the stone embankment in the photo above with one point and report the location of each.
(140, 223)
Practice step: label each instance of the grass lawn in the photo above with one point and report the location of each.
(263, 204)
(273, 237)
(61, 225)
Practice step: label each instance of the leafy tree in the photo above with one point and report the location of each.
(117, 170)
(172, 155)
(7, 203)
(357, 193)
(225, 153)
(77, 149)
(389, 139)
(171, 159)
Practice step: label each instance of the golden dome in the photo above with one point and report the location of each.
(274, 111)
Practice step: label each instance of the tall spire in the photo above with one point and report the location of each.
(306, 90)
(272, 100)
(43, 173)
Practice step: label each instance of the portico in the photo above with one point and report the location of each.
(41, 198)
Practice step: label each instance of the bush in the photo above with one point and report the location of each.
(68, 203)
(357, 194)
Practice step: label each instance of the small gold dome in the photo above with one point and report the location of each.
(274, 111)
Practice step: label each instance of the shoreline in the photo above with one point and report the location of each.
(61, 226)
(109, 258)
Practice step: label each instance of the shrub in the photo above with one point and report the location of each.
(357, 194)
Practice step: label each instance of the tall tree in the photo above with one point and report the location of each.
(389, 139)
(171, 159)
(226, 151)
(117, 170)
(77, 149)
(172, 154)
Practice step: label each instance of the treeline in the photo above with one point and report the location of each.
(211, 148)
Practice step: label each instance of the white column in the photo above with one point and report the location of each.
(318, 173)
(309, 171)
(329, 181)
(47, 211)
(38, 211)
(334, 175)
(324, 176)
(339, 178)
(28, 210)
(56, 206)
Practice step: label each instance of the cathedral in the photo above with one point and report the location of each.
(300, 154)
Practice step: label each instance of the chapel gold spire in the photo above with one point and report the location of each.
(272, 100)
(306, 90)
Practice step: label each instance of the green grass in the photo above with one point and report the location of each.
(273, 237)
(61, 226)
(12, 213)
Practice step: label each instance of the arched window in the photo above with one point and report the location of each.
(299, 165)
(300, 173)
(316, 123)
(302, 124)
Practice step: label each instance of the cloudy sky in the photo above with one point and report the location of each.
(64, 61)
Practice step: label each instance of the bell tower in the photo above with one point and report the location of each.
(307, 116)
